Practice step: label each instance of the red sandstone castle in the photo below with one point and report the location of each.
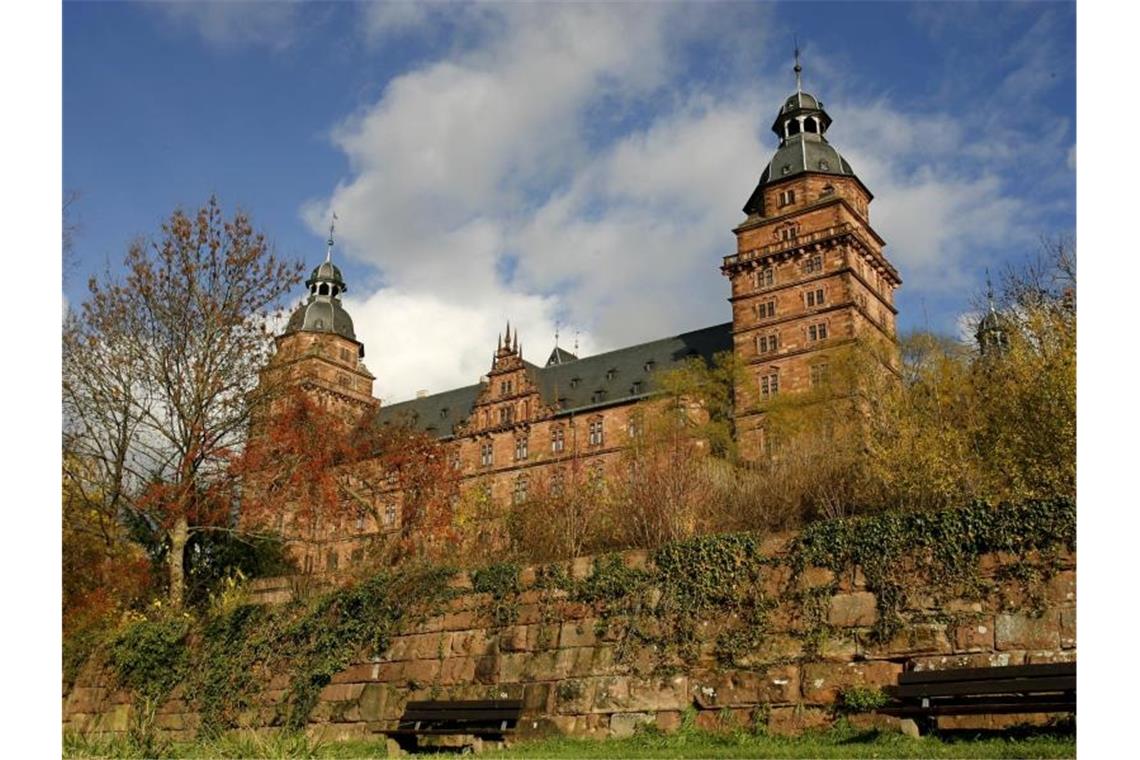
(808, 276)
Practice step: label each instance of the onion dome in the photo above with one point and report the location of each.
(322, 311)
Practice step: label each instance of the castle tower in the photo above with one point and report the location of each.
(319, 351)
(809, 274)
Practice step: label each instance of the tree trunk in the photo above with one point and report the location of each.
(178, 536)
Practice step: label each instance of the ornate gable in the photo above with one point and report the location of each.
(510, 397)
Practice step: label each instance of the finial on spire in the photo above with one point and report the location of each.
(556, 326)
(576, 333)
(797, 68)
(508, 342)
(332, 228)
(990, 291)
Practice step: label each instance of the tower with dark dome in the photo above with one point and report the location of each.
(809, 275)
(318, 350)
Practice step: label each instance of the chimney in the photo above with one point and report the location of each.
(421, 393)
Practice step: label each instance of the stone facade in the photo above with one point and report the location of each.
(564, 659)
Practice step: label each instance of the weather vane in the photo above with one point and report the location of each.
(797, 68)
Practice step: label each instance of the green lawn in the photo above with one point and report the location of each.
(836, 743)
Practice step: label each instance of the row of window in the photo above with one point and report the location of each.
(813, 299)
(595, 437)
(766, 277)
(769, 382)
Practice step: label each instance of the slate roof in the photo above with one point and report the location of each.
(576, 386)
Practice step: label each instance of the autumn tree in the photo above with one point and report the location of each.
(307, 473)
(161, 371)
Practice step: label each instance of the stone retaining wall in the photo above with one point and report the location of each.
(566, 662)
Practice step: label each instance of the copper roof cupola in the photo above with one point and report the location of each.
(322, 311)
(801, 125)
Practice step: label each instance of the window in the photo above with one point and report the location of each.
(505, 387)
(558, 482)
(390, 515)
(764, 278)
(520, 489)
(765, 310)
(818, 374)
(789, 232)
(596, 432)
(635, 388)
(486, 453)
(574, 382)
(521, 445)
(823, 165)
(813, 264)
(345, 355)
(634, 428)
(766, 344)
(817, 331)
(649, 365)
(787, 198)
(611, 374)
(344, 380)
(769, 384)
(454, 459)
(332, 559)
(359, 518)
(598, 396)
(506, 414)
(557, 440)
(814, 297)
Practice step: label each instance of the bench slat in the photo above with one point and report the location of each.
(460, 715)
(985, 674)
(994, 686)
(466, 704)
(994, 708)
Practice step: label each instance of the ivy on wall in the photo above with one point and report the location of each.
(660, 615)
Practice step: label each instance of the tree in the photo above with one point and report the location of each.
(161, 371)
(307, 474)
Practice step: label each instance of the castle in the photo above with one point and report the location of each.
(807, 277)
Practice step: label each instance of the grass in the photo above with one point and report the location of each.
(835, 743)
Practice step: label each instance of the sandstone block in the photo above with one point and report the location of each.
(855, 609)
(536, 698)
(513, 639)
(1017, 631)
(726, 689)
(654, 694)
(581, 568)
(626, 724)
(975, 636)
(611, 694)
(814, 577)
(579, 633)
(984, 660)
(1062, 588)
(457, 670)
(358, 673)
(918, 638)
(461, 580)
(780, 684)
(372, 700)
(793, 721)
(511, 667)
(341, 692)
(822, 682)
(421, 672)
(574, 696)
(1044, 658)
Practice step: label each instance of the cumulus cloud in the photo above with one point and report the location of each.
(226, 24)
(557, 169)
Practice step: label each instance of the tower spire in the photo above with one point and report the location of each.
(797, 68)
(332, 228)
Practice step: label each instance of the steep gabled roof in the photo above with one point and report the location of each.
(575, 386)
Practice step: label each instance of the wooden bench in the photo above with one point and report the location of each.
(925, 695)
(492, 719)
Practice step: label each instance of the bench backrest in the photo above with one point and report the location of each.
(1015, 679)
(491, 713)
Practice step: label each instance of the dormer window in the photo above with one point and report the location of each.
(574, 382)
(635, 388)
(649, 365)
(610, 374)
(598, 397)
(823, 165)
(443, 413)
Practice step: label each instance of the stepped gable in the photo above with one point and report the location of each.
(614, 377)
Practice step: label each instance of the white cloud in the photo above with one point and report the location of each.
(492, 184)
(227, 24)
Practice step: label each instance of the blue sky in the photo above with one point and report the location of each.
(549, 163)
